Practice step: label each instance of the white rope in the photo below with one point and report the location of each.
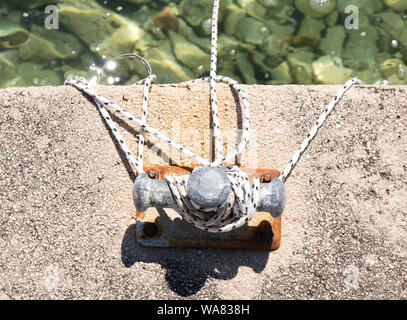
(102, 103)
(214, 98)
(237, 210)
(314, 130)
(241, 204)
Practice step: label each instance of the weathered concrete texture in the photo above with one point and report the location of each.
(67, 217)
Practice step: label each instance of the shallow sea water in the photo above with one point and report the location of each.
(261, 41)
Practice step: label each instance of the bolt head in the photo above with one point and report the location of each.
(266, 178)
(152, 174)
(208, 187)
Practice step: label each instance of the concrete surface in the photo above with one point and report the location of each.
(67, 217)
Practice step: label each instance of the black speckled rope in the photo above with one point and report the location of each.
(103, 103)
(237, 210)
(314, 130)
(241, 204)
(212, 80)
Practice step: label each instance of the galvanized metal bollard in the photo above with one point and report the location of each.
(207, 187)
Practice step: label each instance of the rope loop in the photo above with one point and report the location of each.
(240, 205)
(235, 212)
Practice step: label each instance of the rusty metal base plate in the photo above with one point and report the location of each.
(157, 227)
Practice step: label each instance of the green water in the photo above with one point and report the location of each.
(261, 41)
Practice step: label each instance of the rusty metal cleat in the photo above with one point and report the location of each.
(159, 225)
(208, 188)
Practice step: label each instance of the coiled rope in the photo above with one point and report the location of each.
(241, 204)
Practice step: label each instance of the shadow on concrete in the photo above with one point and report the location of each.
(188, 269)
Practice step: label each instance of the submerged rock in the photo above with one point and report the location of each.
(37, 75)
(309, 33)
(315, 8)
(282, 31)
(196, 11)
(189, 54)
(281, 74)
(403, 36)
(255, 10)
(370, 76)
(280, 11)
(272, 47)
(229, 67)
(246, 68)
(265, 10)
(365, 7)
(395, 71)
(228, 46)
(165, 66)
(332, 43)
(45, 45)
(12, 36)
(300, 63)
(390, 22)
(108, 35)
(394, 67)
(252, 31)
(233, 16)
(262, 63)
(395, 80)
(332, 18)
(166, 20)
(361, 48)
(330, 70)
(7, 67)
(31, 4)
(397, 5)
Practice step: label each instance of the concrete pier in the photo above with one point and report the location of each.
(67, 218)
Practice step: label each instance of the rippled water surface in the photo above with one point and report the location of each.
(261, 41)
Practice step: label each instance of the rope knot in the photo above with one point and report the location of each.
(215, 199)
